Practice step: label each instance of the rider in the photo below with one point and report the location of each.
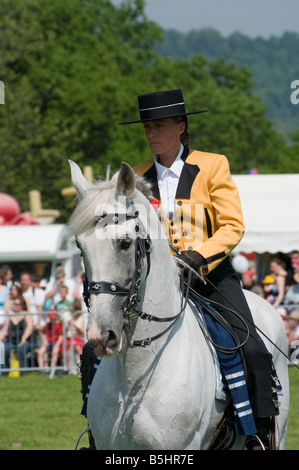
(201, 210)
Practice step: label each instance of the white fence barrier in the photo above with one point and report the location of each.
(53, 343)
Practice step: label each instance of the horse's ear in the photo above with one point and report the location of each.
(80, 183)
(126, 181)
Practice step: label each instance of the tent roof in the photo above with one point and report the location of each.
(33, 242)
(270, 205)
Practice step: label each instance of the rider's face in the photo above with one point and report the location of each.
(163, 136)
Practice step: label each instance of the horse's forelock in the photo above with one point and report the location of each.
(84, 214)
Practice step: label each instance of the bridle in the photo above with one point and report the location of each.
(143, 249)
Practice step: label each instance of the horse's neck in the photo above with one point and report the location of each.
(162, 285)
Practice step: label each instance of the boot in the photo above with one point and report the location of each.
(87, 360)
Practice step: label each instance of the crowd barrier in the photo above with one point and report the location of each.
(50, 340)
(36, 354)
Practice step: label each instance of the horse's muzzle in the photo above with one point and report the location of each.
(106, 344)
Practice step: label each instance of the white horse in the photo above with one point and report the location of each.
(162, 396)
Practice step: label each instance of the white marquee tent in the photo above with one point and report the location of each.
(33, 242)
(270, 206)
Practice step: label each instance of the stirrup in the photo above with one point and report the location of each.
(254, 437)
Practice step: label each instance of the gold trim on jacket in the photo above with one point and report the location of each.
(208, 215)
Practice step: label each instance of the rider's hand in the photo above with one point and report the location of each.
(192, 258)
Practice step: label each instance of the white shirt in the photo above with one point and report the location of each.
(168, 179)
(36, 298)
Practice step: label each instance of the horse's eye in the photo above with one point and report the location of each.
(125, 243)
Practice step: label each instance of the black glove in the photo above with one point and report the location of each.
(192, 258)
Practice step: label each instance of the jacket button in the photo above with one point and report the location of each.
(179, 203)
(175, 241)
(185, 234)
(190, 248)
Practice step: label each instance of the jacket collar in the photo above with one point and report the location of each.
(188, 175)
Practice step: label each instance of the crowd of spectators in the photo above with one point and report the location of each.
(280, 287)
(56, 322)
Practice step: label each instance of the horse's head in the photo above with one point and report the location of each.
(107, 227)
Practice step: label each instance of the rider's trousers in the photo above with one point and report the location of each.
(257, 360)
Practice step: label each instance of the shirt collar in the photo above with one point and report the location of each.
(175, 168)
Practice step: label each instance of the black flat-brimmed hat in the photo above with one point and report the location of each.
(161, 105)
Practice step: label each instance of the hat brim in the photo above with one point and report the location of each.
(163, 117)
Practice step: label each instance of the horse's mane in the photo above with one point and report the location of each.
(101, 192)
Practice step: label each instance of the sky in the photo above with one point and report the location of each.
(253, 18)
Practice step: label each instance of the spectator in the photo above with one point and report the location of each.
(57, 346)
(258, 290)
(4, 290)
(293, 337)
(75, 332)
(50, 334)
(278, 271)
(292, 295)
(52, 290)
(64, 305)
(17, 331)
(295, 266)
(71, 315)
(248, 280)
(270, 288)
(14, 293)
(63, 309)
(283, 313)
(6, 270)
(294, 259)
(34, 295)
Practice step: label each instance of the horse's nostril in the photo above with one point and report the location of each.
(110, 340)
(111, 336)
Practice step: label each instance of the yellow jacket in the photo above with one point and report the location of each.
(208, 215)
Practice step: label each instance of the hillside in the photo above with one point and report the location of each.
(273, 63)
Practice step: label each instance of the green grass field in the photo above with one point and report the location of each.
(42, 414)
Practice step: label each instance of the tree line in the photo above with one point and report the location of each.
(73, 70)
(273, 63)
